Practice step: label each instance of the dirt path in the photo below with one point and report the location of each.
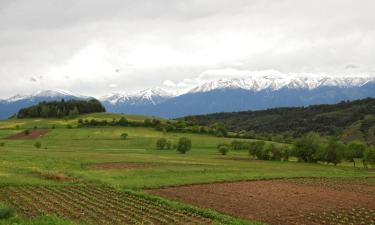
(305, 201)
(33, 134)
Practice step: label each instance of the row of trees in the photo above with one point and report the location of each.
(61, 109)
(183, 145)
(310, 148)
(313, 148)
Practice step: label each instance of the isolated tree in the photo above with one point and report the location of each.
(161, 143)
(354, 150)
(184, 145)
(124, 136)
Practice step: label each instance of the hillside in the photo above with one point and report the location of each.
(346, 118)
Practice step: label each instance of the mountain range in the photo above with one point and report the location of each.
(222, 95)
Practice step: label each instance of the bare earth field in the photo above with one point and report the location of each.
(32, 135)
(294, 201)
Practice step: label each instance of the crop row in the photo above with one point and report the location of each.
(94, 205)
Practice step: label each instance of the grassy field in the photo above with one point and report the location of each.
(72, 156)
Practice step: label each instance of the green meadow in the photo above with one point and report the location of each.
(70, 156)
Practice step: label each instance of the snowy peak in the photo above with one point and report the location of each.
(146, 96)
(47, 94)
(259, 83)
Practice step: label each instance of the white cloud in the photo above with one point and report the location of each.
(138, 44)
(169, 83)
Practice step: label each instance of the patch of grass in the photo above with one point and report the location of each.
(6, 213)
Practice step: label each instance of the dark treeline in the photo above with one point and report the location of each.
(325, 119)
(61, 109)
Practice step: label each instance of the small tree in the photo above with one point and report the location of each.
(184, 145)
(124, 136)
(354, 151)
(369, 157)
(223, 148)
(161, 143)
(38, 144)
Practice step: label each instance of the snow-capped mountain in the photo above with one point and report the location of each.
(273, 83)
(148, 96)
(222, 95)
(12, 105)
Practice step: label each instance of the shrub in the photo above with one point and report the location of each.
(223, 148)
(184, 145)
(69, 126)
(6, 213)
(124, 136)
(2, 144)
(161, 143)
(273, 152)
(38, 144)
(26, 132)
(369, 156)
(53, 126)
(285, 153)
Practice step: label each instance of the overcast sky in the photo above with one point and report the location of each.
(94, 47)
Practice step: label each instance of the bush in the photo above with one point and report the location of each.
(38, 144)
(2, 144)
(124, 136)
(285, 153)
(69, 126)
(369, 156)
(26, 132)
(6, 213)
(223, 148)
(184, 145)
(161, 143)
(168, 145)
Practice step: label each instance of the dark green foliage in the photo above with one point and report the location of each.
(2, 144)
(354, 150)
(38, 144)
(334, 152)
(223, 148)
(161, 143)
(71, 108)
(255, 148)
(184, 145)
(124, 136)
(325, 119)
(26, 132)
(369, 156)
(69, 126)
(308, 148)
(6, 213)
(168, 145)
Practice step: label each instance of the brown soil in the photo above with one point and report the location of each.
(116, 166)
(33, 134)
(299, 201)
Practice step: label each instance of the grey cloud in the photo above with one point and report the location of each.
(144, 43)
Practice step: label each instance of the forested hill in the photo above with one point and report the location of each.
(61, 108)
(328, 119)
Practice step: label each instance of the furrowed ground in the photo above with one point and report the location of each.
(99, 165)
